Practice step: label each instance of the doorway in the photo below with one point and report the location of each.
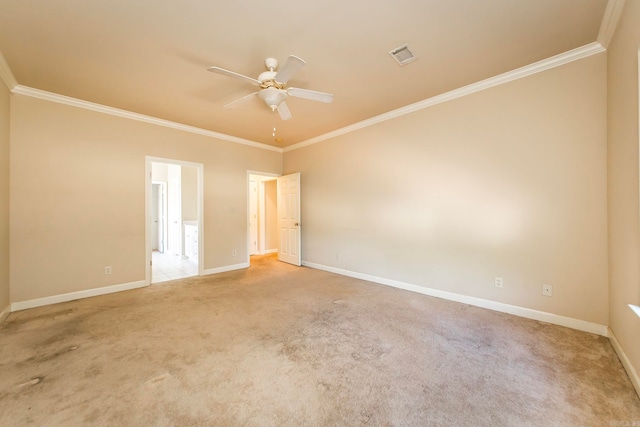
(174, 219)
(262, 214)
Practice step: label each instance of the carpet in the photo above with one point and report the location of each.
(278, 345)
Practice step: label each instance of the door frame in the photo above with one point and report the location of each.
(147, 209)
(255, 199)
(261, 233)
(163, 210)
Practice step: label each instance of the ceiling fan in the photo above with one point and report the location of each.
(273, 86)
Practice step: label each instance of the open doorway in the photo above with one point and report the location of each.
(262, 214)
(174, 219)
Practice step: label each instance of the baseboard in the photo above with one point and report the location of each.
(39, 302)
(5, 313)
(55, 299)
(633, 375)
(528, 313)
(225, 268)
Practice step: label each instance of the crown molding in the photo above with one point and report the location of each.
(537, 67)
(74, 102)
(610, 21)
(6, 75)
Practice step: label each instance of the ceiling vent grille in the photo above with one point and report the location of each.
(403, 55)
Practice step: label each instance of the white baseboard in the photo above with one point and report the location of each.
(633, 375)
(39, 302)
(225, 268)
(4, 313)
(528, 313)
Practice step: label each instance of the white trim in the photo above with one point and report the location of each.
(173, 161)
(248, 217)
(271, 251)
(6, 75)
(5, 313)
(260, 178)
(528, 313)
(626, 363)
(268, 176)
(262, 217)
(55, 299)
(225, 268)
(609, 22)
(537, 67)
(635, 309)
(74, 102)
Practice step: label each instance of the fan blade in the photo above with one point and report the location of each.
(289, 68)
(240, 101)
(231, 74)
(310, 94)
(284, 112)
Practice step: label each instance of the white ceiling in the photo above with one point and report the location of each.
(151, 56)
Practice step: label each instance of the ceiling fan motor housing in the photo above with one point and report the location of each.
(267, 76)
(272, 96)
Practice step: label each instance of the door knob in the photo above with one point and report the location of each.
(296, 224)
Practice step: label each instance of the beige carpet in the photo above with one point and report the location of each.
(277, 345)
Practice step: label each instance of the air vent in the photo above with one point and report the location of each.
(403, 55)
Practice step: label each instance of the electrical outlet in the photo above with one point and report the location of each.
(547, 290)
(234, 252)
(338, 256)
(499, 282)
(107, 269)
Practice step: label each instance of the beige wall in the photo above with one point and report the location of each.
(4, 197)
(509, 182)
(78, 196)
(624, 231)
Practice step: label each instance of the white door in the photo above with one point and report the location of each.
(289, 219)
(253, 217)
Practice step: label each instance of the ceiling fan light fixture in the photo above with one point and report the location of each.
(403, 55)
(272, 96)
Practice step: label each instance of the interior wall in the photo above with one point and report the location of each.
(73, 212)
(624, 227)
(507, 182)
(4, 197)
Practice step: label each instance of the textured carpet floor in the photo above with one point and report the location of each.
(276, 345)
